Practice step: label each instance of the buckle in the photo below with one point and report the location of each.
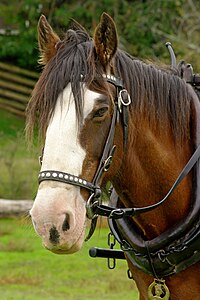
(123, 99)
(116, 213)
(108, 161)
(90, 207)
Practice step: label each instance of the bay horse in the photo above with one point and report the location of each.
(108, 117)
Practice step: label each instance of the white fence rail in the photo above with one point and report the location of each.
(14, 208)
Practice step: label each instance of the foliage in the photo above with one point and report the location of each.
(28, 271)
(20, 48)
(143, 26)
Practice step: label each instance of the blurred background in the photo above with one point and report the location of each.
(26, 270)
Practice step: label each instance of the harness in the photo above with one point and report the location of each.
(169, 253)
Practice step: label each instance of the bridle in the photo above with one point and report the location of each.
(94, 207)
(121, 104)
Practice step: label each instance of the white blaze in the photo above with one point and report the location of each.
(62, 152)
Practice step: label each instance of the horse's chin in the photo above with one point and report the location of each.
(64, 252)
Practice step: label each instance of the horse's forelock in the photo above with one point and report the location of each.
(74, 59)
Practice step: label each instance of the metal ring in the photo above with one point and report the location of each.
(121, 101)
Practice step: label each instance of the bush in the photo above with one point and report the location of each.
(143, 26)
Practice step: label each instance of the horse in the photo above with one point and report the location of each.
(105, 116)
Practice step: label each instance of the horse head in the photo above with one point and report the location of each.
(74, 102)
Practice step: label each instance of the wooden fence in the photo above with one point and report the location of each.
(16, 85)
(14, 208)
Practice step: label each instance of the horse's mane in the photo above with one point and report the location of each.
(157, 93)
(74, 60)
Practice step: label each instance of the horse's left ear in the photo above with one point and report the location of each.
(47, 40)
(105, 39)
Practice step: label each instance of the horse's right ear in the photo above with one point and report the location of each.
(47, 40)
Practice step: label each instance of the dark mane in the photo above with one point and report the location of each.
(75, 58)
(158, 94)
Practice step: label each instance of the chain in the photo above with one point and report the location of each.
(111, 244)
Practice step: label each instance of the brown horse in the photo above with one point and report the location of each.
(106, 116)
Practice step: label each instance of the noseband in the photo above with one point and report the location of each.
(94, 208)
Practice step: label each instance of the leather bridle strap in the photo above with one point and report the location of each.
(109, 148)
(104, 165)
(65, 178)
(118, 213)
(121, 101)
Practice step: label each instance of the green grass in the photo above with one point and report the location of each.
(29, 272)
(19, 165)
(10, 124)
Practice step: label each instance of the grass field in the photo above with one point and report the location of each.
(19, 165)
(29, 272)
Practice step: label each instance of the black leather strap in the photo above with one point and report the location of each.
(118, 213)
(65, 178)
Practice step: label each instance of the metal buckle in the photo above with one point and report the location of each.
(89, 207)
(116, 213)
(107, 163)
(122, 101)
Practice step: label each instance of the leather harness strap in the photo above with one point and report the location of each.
(117, 213)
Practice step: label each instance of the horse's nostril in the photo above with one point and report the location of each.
(54, 235)
(65, 225)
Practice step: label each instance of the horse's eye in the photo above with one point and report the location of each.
(100, 112)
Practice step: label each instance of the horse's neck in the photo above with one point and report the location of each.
(150, 168)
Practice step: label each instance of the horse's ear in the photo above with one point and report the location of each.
(47, 40)
(105, 39)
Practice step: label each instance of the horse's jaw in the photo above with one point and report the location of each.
(59, 216)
